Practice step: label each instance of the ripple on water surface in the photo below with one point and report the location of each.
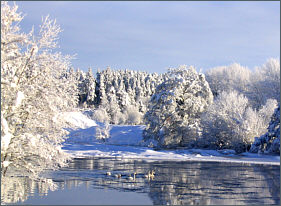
(85, 181)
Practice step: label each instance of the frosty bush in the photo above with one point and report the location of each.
(133, 116)
(174, 110)
(100, 115)
(270, 141)
(33, 90)
(130, 116)
(103, 131)
(230, 122)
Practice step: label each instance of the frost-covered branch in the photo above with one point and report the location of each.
(33, 91)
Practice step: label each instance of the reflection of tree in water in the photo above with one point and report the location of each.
(94, 170)
(180, 183)
(272, 178)
(176, 183)
(215, 183)
(18, 189)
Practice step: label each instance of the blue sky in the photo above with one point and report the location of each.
(153, 36)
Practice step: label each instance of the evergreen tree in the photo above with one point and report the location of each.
(90, 84)
(270, 141)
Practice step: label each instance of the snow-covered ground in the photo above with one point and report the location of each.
(126, 142)
(77, 120)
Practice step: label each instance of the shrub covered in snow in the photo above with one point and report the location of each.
(133, 116)
(174, 110)
(270, 141)
(100, 115)
(103, 131)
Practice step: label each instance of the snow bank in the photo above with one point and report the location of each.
(119, 135)
(82, 136)
(126, 142)
(147, 154)
(125, 135)
(77, 120)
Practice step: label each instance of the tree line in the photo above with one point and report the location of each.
(225, 108)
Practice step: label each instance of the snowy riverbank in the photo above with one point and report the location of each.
(126, 142)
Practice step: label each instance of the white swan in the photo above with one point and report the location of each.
(150, 175)
(132, 178)
(118, 175)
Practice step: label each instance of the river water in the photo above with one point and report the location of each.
(85, 181)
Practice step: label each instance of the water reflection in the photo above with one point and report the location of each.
(180, 183)
(176, 183)
(19, 189)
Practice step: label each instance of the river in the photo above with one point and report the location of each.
(85, 181)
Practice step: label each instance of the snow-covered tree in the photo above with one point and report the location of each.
(256, 121)
(231, 123)
(265, 83)
(225, 78)
(222, 121)
(71, 76)
(101, 89)
(33, 91)
(257, 86)
(90, 84)
(118, 91)
(270, 141)
(174, 112)
(113, 107)
(82, 87)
